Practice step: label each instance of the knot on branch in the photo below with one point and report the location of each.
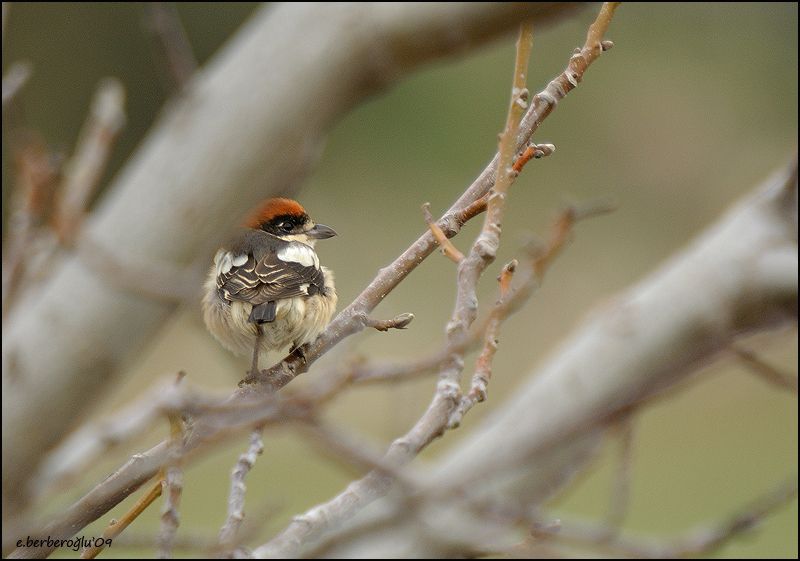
(400, 321)
(486, 248)
(449, 389)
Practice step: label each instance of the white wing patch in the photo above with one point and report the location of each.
(224, 261)
(299, 253)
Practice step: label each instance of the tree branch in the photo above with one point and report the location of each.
(174, 201)
(737, 277)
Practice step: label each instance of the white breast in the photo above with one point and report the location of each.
(299, 253)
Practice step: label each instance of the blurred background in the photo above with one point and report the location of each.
(694, 106)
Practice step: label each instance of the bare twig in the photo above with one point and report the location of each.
(447, 247)
(398, 322)
(352, 451)
(766, 372)
(6, 13)
(173, 487)
(703, 540)
(533, 151)
(16, 77)
(85, 168)
(483, 367)
(36, 174)
(94, 440)
(229, 531)
(539, 259)
(621, 487)
(165, 23)
(156, 280)
(115, 527)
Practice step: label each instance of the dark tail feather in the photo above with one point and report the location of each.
(263, 313)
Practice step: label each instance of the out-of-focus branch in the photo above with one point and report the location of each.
(6, 12)
(83, 171)
(739, 276)
(228, 532)
(206, 162)
(37, 171)
(173, 44)
(16, 77)
(116, 527)
(172, 483)
(85, 446)
(704, 540)
(765, 371)
(621, 487)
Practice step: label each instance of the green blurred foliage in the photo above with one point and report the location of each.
(692, 108)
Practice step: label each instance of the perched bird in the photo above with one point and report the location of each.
(266, 289)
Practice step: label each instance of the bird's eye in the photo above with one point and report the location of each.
(285, 226)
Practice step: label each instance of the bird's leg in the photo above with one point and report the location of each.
(256, 349)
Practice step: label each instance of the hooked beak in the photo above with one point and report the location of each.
(321, 232)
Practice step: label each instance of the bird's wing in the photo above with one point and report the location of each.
(272, 277)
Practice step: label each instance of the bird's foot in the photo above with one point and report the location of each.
(251, 377)
(298, 352)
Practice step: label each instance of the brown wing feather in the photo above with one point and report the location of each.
(268, 279)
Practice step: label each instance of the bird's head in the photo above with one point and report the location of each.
(288, 220)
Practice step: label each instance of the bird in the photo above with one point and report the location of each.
(266, 289)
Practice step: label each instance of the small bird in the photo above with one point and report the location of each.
(266, 289)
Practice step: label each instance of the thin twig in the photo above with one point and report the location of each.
(37, 171)
(534, 151)
(165, 23)
(562, 230)
(157, 280)
(229, 531)
(15, 78)
(85, 168)
(400, 321)
(766, 372)
(352, 451)
(533, 269)
(483, 367)
(621, 486)
(115, 527)
(703, 540)
(447, 247)
(173, 487)
(6, 13)
(484, 249)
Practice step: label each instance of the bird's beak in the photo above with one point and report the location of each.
(321, 232)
